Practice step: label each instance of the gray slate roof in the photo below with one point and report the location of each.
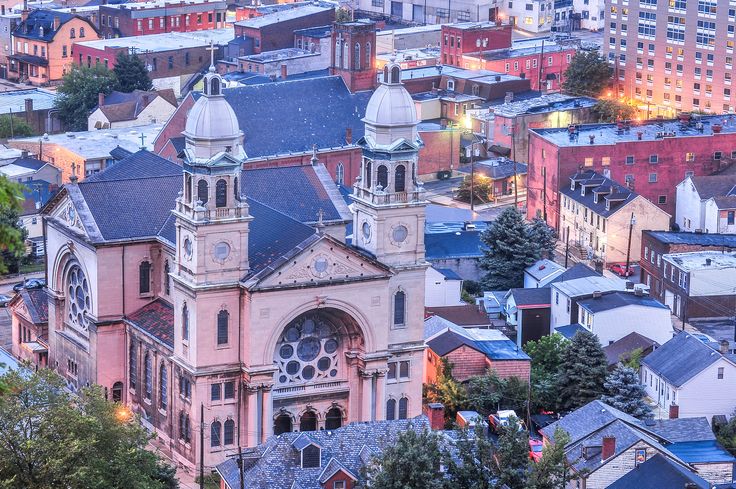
(532, 297)
(681, 358)
(607, 189)
(657, 473)
(579, 270)
(614, 300)
(626, 345)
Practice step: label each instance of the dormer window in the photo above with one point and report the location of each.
(572, 184)
(582, 190)
(451, 85)
(311, 457)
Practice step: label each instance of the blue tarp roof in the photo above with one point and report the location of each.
(707, 451)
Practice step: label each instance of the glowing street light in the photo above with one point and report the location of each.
(123, 414)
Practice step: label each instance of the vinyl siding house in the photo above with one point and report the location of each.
(687, 378)
(443, 287)
(567, 293)
(542, 273)
(528, 311)
(706, 204)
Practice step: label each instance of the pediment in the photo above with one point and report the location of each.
(67, 212)
(326, 261)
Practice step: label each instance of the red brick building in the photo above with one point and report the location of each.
(157, 17)
(353, 54)
(651, 158)
(472, 37)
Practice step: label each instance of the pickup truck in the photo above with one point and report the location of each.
(501, 418)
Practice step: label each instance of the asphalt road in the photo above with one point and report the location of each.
(443, 191)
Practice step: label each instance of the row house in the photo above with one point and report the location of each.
(650, 157)
(471, 37)
(162, 16)
(707, 204)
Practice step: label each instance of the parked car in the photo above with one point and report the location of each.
(4, 300)
(501, 418)
(621, 270)
(31, 283)
(535, 449)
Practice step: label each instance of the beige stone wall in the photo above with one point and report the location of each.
(617, 467)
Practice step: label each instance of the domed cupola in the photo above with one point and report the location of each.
(212, 127)
(390, 115)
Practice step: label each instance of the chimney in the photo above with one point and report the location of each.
(592, 138)
(708, 262)
(639, 135)
(57, 23)
(724, 347)
(436, 414)
(29, 105)
(284, 70)
(609, 447)
(349, 135)
(597, 294)
(674, 411)
(100, 99)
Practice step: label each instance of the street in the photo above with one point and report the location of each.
(441, 192)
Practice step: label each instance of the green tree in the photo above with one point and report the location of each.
(625, 392)
(588, 74)
(633, 358)
(582, 372)
(446, 391)
(51, 438)
(727, 435)
(543, 236)
(472, 467)
(613, 110)
(488, 393)
(78, 93)
(15, 129)
(482, 189)
(546, 355)
(512, 456)
(12, 235)
(412, 462)
(131, 73)
(509, 250)
(551, 470)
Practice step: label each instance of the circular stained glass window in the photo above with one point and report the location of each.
(331, 345)
(292, 367)
(292, 334)
(323, 363)
(308, 327)
(78, 300)
(286, 351)
(321, 265)
(308, 372)
(400, 233)
(308, 351)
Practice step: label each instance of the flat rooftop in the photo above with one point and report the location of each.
(607, 134)
(702, 260)
(415, 54)
(16, 101)
(543, 104)
(164, 42)
(278, 55)
(163, 3)
(466, 26)
(321, 31)
(92, 145)
(703, 239)
(588, 285)
(518, 51)
(410, 30)
(275, 18)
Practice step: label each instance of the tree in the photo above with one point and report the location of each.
(551, 470)
(512, 456)
(625, 392)
(131, 73)
(633, 358)
(78, 93)
(488, 393)
(582, 372)
(471, 468)
(546, 355)
(588, 74)
(446, 391)
(509, 250)
(51, 438)
(12, 235)
(17, 128)
(613, 110)
(482, 189)
(412, 462)
(543, 236)
(727, 435)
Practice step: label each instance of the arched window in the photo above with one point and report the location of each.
(188, 189)
(72, 33)
(403, 407)
(308, 422)
(203, 191)
(185, 322)
(382, 177)
(340, 173)
(132, 365)
(400, 179)
(184, 426)
(78, 303)
(399, 308)
(395, 74)
(148, 374)
(333, 419)
(163, 387)
(368, 174)
(81, 32)
(282, 424)
(385, 74)
(338, 54)
(229, 435)
(144, 275)
(356, 57)
(345, 48)
(223, 318)
(221, 193)
(215, 86)
(391, 409)
(167, 279)
(368, 59)
(215, 433)
(236, 190)
(117, 392)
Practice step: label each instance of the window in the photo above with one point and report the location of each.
(400, 179)
(391, 375)
(653, 158)
(81, 32)
(72, 33)
(382, 177)
(720, 372)
(228, 437)
(340, 173)
(220, 193)
(132, 365)
(148, 374)
(399, 308)
(184, 432)
(186, 55)
(647, 24)
(215, 392)
(223, 318)
(64, 52)
(144, 276)
(404, 369)
(652, 178)
(167, 279)
(662, 199)
(706, 33)
(629, 160)
(163, 387)
(403, 407)
(689, 157)
(215, 432)
(391, 409)
(310, 457)
(356, 57)
(229, 389)
(730, 218)
(185, 322)
(202, 191)
(368, 59)
(117, 392)
(185, 387)
(170, 61)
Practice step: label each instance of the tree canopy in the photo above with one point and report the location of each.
(14, 127)
(12, 235)
(625, 392)
(582, 372)
(78, 93)
(588, 74)
(512, 456)
(613, 110)
(550, 472)
(131, 73)
(51, 438)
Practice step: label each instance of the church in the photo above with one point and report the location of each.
(228, 302)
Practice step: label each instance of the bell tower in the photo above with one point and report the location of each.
(354, 54)
(389, 204)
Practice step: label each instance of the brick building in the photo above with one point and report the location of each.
(651, 158)
(353, 55)
(472, 37)
(656, 244)
(276, 30)
(158, 17)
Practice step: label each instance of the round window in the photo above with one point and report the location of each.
(308, 351)
(320, 265)
(222, 251)
(78, 301)
(400, 233)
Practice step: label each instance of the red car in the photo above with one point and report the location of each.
(621, 270)
(535, 449)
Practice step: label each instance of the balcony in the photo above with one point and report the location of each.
(382, 198)
(323, 388)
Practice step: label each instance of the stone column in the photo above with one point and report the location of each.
(251, 410)
(380, 395)
(355, 381)
(366, 393)
(267, 412)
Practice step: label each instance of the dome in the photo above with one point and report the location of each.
(391, 105)
(212, 118)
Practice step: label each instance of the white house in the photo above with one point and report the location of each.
(443, 287)
(616, 314)
(565, 296)
(707, 204)
(688, 378)
(137, 108)
(541, 273)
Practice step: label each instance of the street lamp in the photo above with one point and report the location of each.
(123, 414)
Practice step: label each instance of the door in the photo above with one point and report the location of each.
(397, 9)
(669, 300)
(493, 14)
(418, 13)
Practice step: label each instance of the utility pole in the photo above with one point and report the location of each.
(513, 158)
(628, 247)
(201, 446)
(240, 467)
(541, 69)
(544, 193)
(567, 245)
(472, 177)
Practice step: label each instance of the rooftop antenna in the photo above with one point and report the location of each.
(314, 159)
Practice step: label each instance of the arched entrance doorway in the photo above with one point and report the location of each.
(308, 421)
(282, 424)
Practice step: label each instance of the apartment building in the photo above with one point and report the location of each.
(673, 56)
(161, 16)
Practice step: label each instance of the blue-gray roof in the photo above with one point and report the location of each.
(680, 359)
(30, 163)
(449, 274)
(617, 299)
(703, 239)
(579, 270)
(602, 195)
(451, 340)
(706, 451)
(40, 25)
(659, 472)
(458, 244)
(291, 116)
(7, 362)
(531, 297)
(570, 330)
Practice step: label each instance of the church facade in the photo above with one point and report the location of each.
(213, 305)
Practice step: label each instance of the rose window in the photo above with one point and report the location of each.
(78, 300)
(307, 351)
